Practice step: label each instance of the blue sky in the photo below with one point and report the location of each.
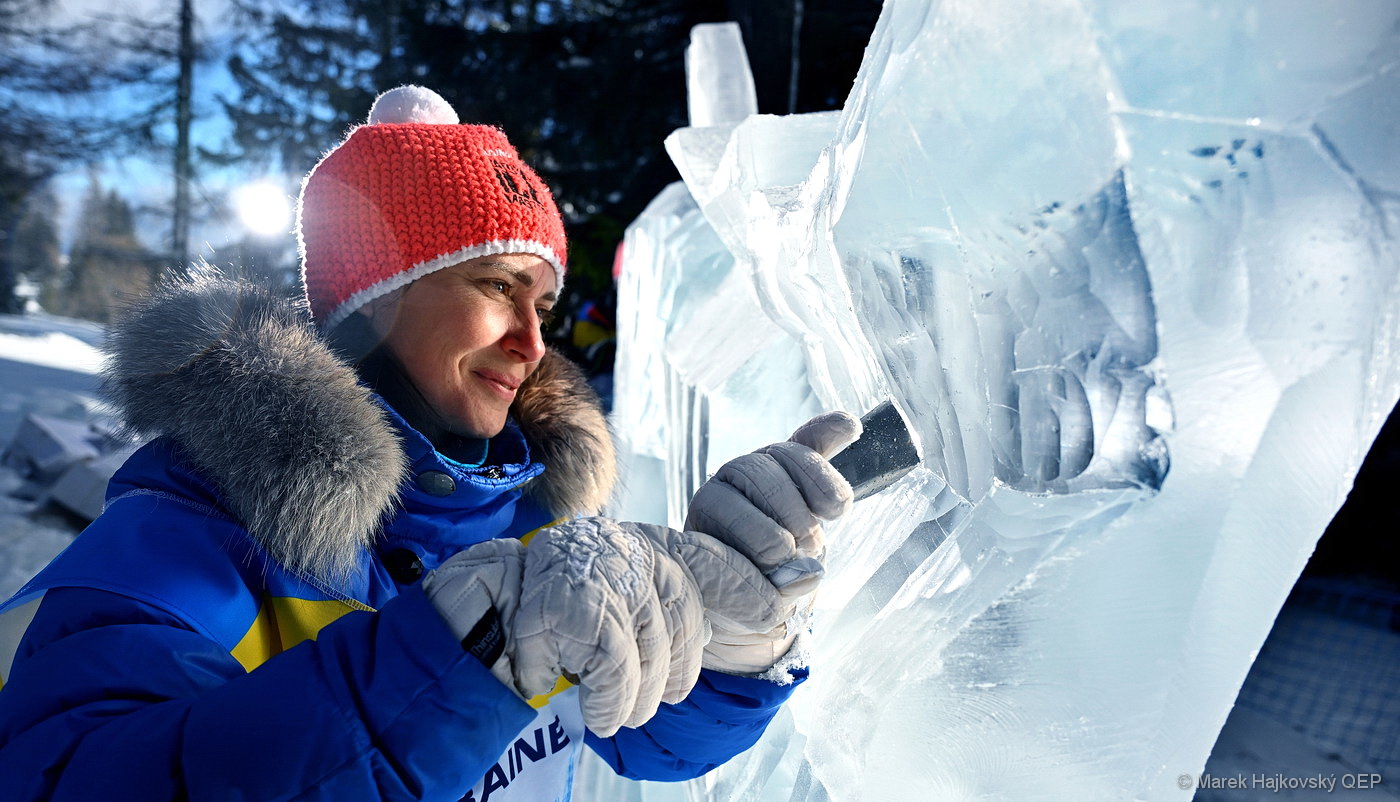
(149, 181)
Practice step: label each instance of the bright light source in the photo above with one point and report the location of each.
(263, 208)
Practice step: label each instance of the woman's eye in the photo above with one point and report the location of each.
(546, 317)
(498, 286)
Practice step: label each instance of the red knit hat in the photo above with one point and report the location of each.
(411, 192)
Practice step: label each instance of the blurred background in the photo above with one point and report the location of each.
(135, 141)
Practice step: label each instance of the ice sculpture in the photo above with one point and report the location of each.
(1130, 273)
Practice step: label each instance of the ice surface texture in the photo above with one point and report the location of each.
(1129, 272)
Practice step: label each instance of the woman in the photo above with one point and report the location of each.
(314, 581)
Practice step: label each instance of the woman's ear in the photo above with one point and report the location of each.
(365, 329)
(353, 338)
(382, 312)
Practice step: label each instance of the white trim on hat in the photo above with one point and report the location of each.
(406, 277)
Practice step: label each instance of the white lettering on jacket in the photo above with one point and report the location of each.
(538, 764)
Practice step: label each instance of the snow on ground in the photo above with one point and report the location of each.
(39, 325)
(47, 365)
(54, 350)
(27, 541)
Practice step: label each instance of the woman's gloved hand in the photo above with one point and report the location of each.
(477, 590)
(768, 506)
(604, 606)
(604, 603)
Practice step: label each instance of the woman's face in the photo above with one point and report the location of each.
(469, 334)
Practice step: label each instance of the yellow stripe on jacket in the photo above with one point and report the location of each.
(283, 622)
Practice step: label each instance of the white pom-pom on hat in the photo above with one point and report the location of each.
(411, 104)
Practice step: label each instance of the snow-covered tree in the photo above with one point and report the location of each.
(108, 266)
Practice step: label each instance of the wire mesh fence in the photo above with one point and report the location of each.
(1330, 669)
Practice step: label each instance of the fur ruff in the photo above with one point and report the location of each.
(244, 384)
(563, 422)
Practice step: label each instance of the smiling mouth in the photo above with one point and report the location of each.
(502, 384)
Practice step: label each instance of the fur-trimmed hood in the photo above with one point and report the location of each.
(241, 380)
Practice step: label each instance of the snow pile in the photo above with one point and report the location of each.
(54, 350)
(1130, 275)
(47, 367)
(27, 543)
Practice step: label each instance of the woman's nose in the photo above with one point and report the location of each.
(526, 338)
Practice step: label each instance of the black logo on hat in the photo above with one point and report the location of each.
(518, 185)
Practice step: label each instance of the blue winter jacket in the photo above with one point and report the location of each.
(172, 653)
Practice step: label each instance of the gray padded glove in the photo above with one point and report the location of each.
(477, 590)
(605, 607)
(592, 599)
(768, 506)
